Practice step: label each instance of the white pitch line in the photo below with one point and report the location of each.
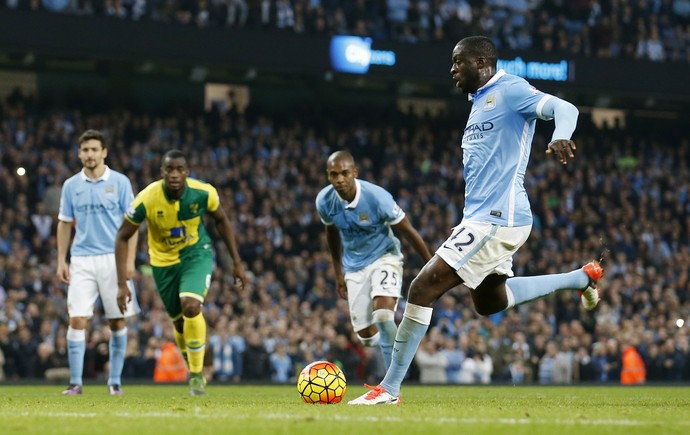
(371, 418)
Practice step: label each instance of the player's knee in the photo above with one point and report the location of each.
(370, 341)
(190, 307)
(417, 294)
(486, 309)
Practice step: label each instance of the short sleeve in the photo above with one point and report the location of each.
(526, 100)
(137, 211)
(390, 209)
(213, 199)
(66, 211)
(325, 219)
(126, 194)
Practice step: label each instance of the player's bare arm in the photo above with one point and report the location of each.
(224, 227)
(64, 231)
(335, 247)
(405, 228)
(122, 239)
(132, 254)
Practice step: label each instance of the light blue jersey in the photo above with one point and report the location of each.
(98, 207)
(364, 224)
(496, 147)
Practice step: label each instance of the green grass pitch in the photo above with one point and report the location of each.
(167, 410)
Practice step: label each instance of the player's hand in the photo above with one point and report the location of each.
(340, 287)
(124, 296)
(63, 272)
(238, 273)
(562, 148)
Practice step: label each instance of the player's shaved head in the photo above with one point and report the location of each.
(341, 157)
(479, 46)
(342, 172)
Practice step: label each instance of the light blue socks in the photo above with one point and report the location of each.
(525, 289)
(117, 347)
(385, 322)
(76, 348)
(412, 329)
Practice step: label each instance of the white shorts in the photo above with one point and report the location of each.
(383, 277)
(477, 249)
(93, 276)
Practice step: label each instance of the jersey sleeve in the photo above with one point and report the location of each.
(126, 194)
(66, 212)
(213, 199)
(137, 211)
(390, 209)
(321, 209)
(527, 100)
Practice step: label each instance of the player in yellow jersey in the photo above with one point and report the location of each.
(180, 250)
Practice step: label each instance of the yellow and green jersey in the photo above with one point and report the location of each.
(175, 226)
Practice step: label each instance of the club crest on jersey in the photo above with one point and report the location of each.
(109, 189)
(490, 102)
(364, 217)
(194, 208)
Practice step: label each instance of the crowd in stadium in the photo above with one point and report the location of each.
(268, 169)
(657, 30)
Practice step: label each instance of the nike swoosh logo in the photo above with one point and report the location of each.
(398, 342)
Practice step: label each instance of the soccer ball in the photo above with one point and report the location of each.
(321, 382)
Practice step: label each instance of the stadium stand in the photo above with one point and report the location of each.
(617, 190)
(628, 189)
(654, 30)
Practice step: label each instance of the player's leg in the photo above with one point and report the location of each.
(435, 278)
(117, 345)
(168, 283)
(194, 282)
(498, 292)
(360, 305)
(386, 289)
(528, 288)
(76, 349)
(82, 294)
(384, 319)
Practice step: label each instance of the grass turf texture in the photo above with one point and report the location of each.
(166, 410)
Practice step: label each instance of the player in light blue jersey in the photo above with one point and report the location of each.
(360, 218)
(497, 218)
(94, 201)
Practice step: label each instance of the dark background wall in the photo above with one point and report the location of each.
(160, 62)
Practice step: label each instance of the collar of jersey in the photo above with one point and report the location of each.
(355, 201)
(165, 194)
(500, 73)
(104, 177)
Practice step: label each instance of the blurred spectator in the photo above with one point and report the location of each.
(655, 31)
(228, 348)
(477, 367)
(170, 366)
(431, 363)
(633, 369)
(547, 364)
(255, 360)
(281, 365)
(454, 357)
(342, 353)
